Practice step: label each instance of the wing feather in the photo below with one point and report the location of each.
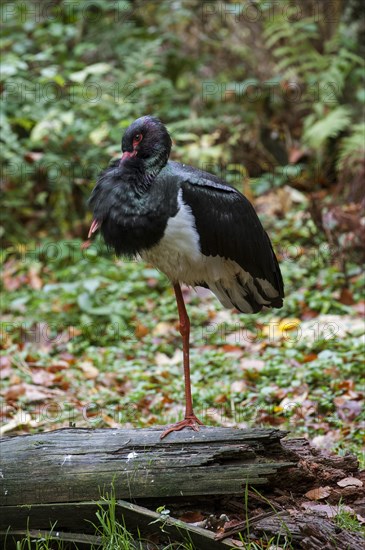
(229, 227)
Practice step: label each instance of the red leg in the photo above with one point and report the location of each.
(190, 421)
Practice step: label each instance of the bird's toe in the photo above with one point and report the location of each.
(190, 421)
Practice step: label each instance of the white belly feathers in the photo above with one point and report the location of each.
(178, 255)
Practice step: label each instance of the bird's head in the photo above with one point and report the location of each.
(148, 140)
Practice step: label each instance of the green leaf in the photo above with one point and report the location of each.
(91, 285)
(328, 127)
(95, 69)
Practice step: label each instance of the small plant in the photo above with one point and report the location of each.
(46, 541)
(113, 532)
(164, 515)
(345, 519)
(275, 541)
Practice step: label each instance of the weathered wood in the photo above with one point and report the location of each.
(74, 516)
(10, 537)
(58, 478)
(81, 517)
(310, 530)
(325, 534)
(73, 465)
(315, 466)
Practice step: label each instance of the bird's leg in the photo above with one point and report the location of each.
(185, 333)
(190, 421)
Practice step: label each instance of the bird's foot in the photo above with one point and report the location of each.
(190, 421)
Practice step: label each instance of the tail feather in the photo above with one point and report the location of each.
(248, 296)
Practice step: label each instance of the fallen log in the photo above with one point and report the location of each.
(63, 477)
(138, 519)
(75, 465)
(309, 529)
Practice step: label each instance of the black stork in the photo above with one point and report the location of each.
(190, 225)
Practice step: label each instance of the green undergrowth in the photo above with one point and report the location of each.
(98, 338)
(109, 526)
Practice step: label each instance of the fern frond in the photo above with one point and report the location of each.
(352, 149)
(337, 120)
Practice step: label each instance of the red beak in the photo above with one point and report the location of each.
(94, 227)
(127, 155)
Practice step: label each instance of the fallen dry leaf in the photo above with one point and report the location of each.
(318, 493)
(110, 421)
(12, 280)
(349, 481)
(14, 380)
(141, 330)
(289, 324)
(89, 370)
(233, 350)
(61, 382)
(14, 392)
(346, 385)
(309, 357)
(21, 418)
(330, 511)
(5, 361)
(346, 297)
(36, 393)
(233, 338)
(33, 156)
(6, 367)
(161, 359)
(347, 409)
(60, 365)
(42, 377)
(221, 398)
(276, 202)
(239, 386)
(278, 328)
(252, 364)
(192, 516)
(326, 441)
(161, 329)
(360, 307)
(35, 281)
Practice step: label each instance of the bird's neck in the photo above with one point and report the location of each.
(153, 165)
(142, 172)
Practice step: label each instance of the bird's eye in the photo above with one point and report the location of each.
(137, 139)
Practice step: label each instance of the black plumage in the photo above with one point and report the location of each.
(229, 227)
(191, 225)
(131, 214)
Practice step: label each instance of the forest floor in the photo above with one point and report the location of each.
(93, 341)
